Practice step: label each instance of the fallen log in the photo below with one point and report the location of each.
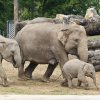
(94, 57)
(94, 44)
(97, 68)
(91, 21)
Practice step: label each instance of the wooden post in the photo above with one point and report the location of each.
(15, 11)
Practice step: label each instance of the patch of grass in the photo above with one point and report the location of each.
(94, 37)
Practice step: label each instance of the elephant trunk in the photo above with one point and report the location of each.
(83, 49)
(17, 57)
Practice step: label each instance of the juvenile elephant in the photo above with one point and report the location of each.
(10, 51)
(49, 43)
(76, 68)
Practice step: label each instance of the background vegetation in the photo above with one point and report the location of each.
(29, 9)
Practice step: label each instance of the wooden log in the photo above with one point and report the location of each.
(94, 44)
(97, 68)
(92, 27)
(94, 58)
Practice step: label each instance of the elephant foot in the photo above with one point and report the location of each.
(46, 80)
(71, 87)
(86, 88)
(28, 75)
(23, 78)
(5, 83)
(64, 84)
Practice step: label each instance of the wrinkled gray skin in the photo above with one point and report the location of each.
(10, 51)
(49, 43)
(76, 68)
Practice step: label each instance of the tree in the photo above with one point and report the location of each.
(6, 13)
(15, 10)
(29, 9)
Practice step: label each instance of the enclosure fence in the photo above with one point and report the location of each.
(10, 29)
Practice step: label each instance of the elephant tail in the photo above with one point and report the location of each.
(58, 77)
(63, 73)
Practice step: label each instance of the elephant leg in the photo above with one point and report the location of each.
(79, 83)
(30, 69)
(21, 75)
(86, 84)
(69, 82)
(64, 83)
(3, 74)
(60, 56)
(84, 81)
(49, 72)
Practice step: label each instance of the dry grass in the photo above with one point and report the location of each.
(35, 86)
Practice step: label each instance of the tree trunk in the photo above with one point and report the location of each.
(15, 11)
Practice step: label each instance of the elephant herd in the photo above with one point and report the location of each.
(42, 41)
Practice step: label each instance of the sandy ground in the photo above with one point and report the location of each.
(36, 87)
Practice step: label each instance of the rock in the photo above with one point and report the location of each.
(91, 15)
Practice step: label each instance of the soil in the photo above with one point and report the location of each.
(36, 86)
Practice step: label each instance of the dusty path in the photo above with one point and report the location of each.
(35, 86)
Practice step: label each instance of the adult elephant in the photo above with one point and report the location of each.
(49, 43)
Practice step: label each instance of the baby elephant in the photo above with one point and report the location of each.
(78, 69)
(10, 51)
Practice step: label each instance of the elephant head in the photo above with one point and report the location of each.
(20, 25)
(74, 36)
(88, 70)
(10, 51)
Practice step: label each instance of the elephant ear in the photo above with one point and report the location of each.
(81, 73)
(85, 68)
(63, 35)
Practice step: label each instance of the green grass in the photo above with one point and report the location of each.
(94, 37)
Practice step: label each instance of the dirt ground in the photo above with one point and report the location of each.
(35, 86)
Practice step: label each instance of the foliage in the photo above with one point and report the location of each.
(49, 8)
(6, 13)
(29, 9)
